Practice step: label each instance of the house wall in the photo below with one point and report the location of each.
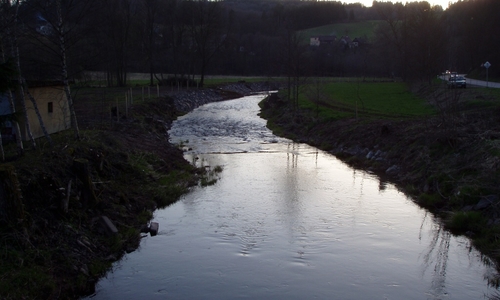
(55, 121)
(314, 41)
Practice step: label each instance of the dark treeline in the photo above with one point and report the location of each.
(186, 38)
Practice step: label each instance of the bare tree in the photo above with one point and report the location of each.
(294, 62)
(151, 9)
(117, 33)
(209, 32)
(64, 23)
(316, 93)
(7, 19)
(17, 60)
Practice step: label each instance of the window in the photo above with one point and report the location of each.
(50, 107)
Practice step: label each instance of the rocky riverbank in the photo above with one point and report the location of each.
(449, 164)
(82, 204)
(188, 100)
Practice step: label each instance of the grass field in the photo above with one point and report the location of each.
(353, 30)
(382, 99)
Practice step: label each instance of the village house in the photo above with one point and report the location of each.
(323, 40)
(52, 105)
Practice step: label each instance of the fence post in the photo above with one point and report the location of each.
(126, 105)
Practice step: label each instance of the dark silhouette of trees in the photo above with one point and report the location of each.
(209, 31)
(188, 37)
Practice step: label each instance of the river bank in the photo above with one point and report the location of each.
(448, 164)
(84, 204)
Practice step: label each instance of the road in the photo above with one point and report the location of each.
(475, 82)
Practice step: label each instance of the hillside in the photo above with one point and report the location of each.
(354, 30)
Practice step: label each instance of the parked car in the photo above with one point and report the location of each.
(457, 82)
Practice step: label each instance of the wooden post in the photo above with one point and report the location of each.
(158, 90)
(65, 200)
(11, 204)
(126, 105)
(142, 94)
(131, 97)
(117, 111)
(149, 92)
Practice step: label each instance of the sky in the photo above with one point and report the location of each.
(443, 3)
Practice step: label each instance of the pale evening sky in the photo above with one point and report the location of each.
(443, 3)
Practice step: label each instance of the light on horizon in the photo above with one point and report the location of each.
(443, 3)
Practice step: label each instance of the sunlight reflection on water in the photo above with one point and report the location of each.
(287, 221)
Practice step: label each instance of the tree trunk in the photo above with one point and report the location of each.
(37, 111)
(15, 125)
(1, 147)
(64, 72)
(22, 101)
(25, 113)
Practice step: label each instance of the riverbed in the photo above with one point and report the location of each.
(287, 221)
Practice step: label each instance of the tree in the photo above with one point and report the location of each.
(419, 55)
(209, 30)
(7, 71)
(151, 9)
(426, 52)
(7, 20)
(293, 61)
(64, 27)
(117, 32)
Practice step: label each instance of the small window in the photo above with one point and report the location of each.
(50, 107)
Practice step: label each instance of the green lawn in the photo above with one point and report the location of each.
(353, 30)
(382, 99)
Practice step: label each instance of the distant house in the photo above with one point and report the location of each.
(356, 42)
(52, 105)
(322, 40)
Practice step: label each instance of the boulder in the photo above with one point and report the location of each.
(153, 228)
(486, 202)
(108, 226)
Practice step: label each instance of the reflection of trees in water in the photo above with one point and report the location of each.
(436, 256)
(382, 184)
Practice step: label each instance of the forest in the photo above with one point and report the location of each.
(67, 39)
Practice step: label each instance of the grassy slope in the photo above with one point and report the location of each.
(353, 30)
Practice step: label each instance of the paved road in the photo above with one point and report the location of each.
(475, 82)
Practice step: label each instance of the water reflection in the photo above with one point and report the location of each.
(436, 257)
(287, 221)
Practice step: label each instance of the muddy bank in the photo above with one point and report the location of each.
(451, 166)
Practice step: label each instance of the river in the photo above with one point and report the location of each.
(287, 221)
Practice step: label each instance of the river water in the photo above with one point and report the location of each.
(288, 221)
